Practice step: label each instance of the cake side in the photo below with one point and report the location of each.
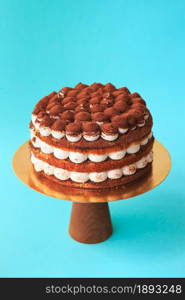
(91, 136)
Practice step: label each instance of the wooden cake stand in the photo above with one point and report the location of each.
(90, 218)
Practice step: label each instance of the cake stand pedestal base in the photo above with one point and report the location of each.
(90, 222)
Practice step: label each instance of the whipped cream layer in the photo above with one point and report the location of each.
(78, 157)
(82, 177)
(46, 131)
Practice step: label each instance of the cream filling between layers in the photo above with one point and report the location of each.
(82, 177)
(78, 157)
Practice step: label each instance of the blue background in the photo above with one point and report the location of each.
(49, 44)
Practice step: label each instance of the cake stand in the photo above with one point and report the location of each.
(90, 217)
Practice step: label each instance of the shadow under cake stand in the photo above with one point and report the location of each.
(90, 217)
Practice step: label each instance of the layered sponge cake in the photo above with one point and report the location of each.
(92, 136)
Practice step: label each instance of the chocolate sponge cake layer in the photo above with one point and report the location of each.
(100, 145)
(89, 166)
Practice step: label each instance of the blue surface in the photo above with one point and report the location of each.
(49, 44)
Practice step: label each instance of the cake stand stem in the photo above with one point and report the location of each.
(90, 222)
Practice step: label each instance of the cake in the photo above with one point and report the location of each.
(92, 136)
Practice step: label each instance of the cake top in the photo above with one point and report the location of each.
(91, 109)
